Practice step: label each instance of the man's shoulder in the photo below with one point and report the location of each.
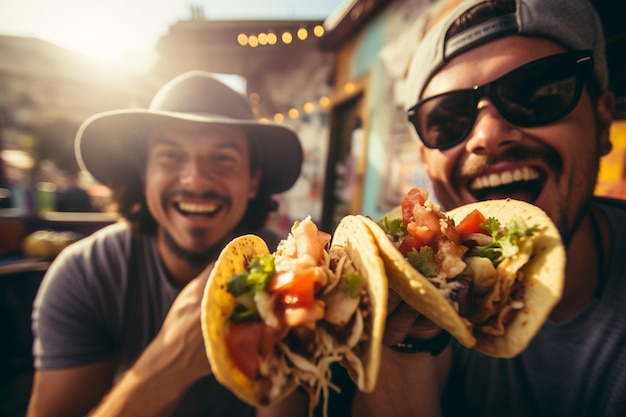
(98, 260)
(116, 232)
(613, 206)
(112, 240)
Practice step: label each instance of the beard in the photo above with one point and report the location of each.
(194, 259)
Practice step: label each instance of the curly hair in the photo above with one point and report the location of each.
(131, 204)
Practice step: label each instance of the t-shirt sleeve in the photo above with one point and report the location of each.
(76, 306)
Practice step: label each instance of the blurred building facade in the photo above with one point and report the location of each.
(46, 92)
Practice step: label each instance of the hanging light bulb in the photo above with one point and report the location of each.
(253, 41)
(287, 38)
(303, 34)
(242, 39)
(294, 113)
(308, 107)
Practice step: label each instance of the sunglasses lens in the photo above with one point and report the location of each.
(534, 94)
(538, 95)
(445, 120)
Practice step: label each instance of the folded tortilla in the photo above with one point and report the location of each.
(543, 277)
(361, 361)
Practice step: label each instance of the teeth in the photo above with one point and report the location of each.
(503, 178)
(198, 208)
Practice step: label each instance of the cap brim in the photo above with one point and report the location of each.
(108, 144)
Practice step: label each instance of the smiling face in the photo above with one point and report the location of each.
(553, 166)
(197, 186)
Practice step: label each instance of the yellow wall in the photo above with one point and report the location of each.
(612, 177)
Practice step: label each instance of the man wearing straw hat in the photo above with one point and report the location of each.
(117, 317)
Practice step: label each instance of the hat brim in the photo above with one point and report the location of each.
(107, 145)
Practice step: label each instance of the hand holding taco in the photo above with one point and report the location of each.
(489, 273)
(273, 322)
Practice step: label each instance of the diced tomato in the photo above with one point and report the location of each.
(414, 197)
(243, 341)
(297, 288)
(408, 243)
(471, 223)
(301, 293)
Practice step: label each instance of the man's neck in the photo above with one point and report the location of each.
(179, 272)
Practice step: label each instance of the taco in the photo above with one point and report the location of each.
(273, 322)
(489, 272)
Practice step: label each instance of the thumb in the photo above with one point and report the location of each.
(204, 275)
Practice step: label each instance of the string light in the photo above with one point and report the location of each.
(287, 36)
(293, 113)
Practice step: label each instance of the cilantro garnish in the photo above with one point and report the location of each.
(353, 282)
(394, 228)
(255, 278)
(245, 284)
(505, 240)
(423, 260)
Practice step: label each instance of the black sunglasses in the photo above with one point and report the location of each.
(535, 94)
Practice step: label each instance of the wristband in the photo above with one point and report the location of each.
(434, 346)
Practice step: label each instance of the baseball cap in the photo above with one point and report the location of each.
(574, 24)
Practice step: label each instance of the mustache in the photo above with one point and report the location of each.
(186, 194)
(474, 165)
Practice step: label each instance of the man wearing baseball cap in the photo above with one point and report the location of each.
(117, 317)
(500, 88)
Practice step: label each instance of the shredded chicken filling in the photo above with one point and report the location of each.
(336, 334)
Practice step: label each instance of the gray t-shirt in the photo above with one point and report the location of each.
(94, 303)
(575, 368)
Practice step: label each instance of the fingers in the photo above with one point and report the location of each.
(424, 328)
(399, 322)
(393, 300)
(403, 321)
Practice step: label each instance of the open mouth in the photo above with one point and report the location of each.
(523, 183)
(198, 209)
